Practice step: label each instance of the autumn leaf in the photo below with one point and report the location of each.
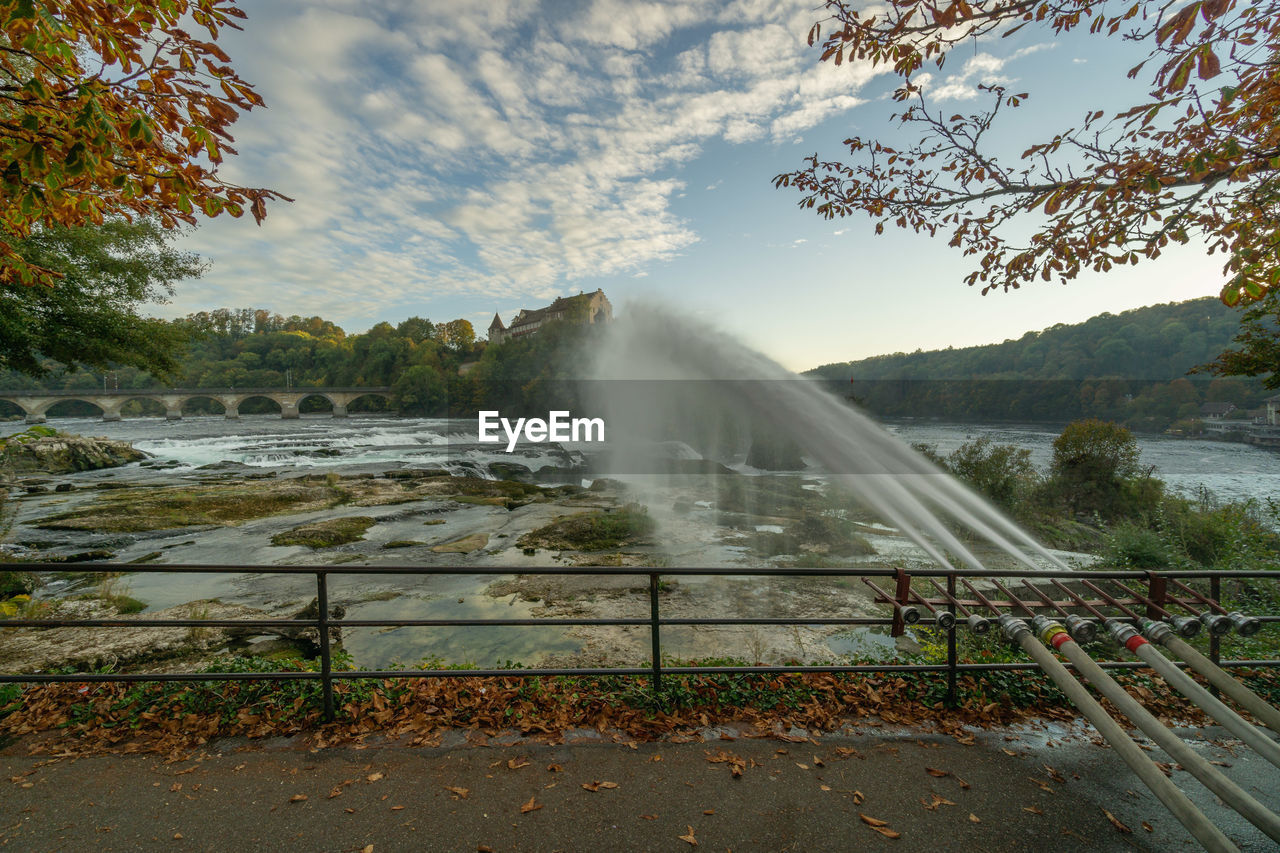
(688, 838)
(887, 832)
(1120, 827)
(555, 768)
(872, 821)
(1032, 809)
(517, 763)
(648, 817)
(374, 777)
(596, 786)
(933, 771)
(858, 798)
(973, 818)
(460, 793)
(1147, 827)
(298, 798)
(531, 806)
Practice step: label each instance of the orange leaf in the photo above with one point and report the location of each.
(872, 821)
(973, 818)
(460, 792)
(933, 771)
(689, 839)
(1120, 827)
(531, 806)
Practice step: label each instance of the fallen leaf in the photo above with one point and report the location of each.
(1032, 809)
(176, 786)
(847, 751)
(531, 806)
(397, 808)
(817, 762)
(460, 792)
(1116, 822)
(1041, 784)
(963, 784)
(555, 768)
(484, 848)
(349, 811)
(973, 818)
(298, 798)
(517, 763)
(887, 832)
(825, 787)
(368, 848)
(858, 798)
(648, 817)
(177, 836)
(708, 811)
(689, 839)
(872, 821)
(802, 766)
(373, 777)
(933, 771)
(655, 757)
(1147, 826)
(1009, 752)
(336, 792)
(596, 786)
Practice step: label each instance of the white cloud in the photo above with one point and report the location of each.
(979, 69)
(492, 148)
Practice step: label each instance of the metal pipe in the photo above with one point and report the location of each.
(1231, 793)
(1246, 698)
(1081, 630)
(944, 619)
(910, 615)
(1184, 625)
(977, 624)
(1209, 836)
(1113, 601)
(1246, 626)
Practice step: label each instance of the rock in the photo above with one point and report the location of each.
(61, 453)
(17, 583)
(511, 471)
(63, 487)
(40, 650)
(465, 545)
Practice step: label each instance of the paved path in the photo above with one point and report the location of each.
(790, 796)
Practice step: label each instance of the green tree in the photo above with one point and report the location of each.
(90, 317)
(421, 391)
(457, 334)
(1002, 472)
(1092, 460)
(1257, 345)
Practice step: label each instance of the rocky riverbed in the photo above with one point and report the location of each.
(151, 515)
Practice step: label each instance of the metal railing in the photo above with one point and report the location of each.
(1158, 598)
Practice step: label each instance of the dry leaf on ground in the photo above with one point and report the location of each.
(596, 786)
(973, 818)
(298, 798)
(1116, 822)
(517, 763)
(532, 806)
(461, 793)
(689, 839)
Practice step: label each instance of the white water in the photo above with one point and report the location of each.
(659, 369)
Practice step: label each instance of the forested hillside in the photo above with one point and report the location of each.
(1130, 367)
(433, 368)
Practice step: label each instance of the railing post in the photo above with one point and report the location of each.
(655, 634)
(952, 698)
(1215, 649)
(901, 594)
(1157, 592)
(326, 659)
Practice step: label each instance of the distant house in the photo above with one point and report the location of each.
(1216, 411)
(585, 308)
(1273, 410)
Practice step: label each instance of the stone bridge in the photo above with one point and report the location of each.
(35, 404)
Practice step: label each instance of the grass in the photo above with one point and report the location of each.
(326, 534)
(593, 531)
(137, 510)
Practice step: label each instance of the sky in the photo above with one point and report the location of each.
(456, 159)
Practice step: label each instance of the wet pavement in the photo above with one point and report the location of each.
(1036, 788)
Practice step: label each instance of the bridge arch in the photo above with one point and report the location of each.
(218, 407)
(145, 406)
(363, 402)
(58, 408)
(12, 409)
(306, 407)
(258, 404)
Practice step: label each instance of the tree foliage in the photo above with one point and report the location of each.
(1093, 460)
(1196, 161)
(1257, 345)
(113, 109)
(90, 318)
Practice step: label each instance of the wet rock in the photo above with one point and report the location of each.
(54, 452)
(511, 471)
(465, 545)
(63, 487)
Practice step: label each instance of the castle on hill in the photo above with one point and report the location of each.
(581, 309)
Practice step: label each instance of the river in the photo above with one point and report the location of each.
(1229, 471)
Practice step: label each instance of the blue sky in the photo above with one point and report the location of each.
(453, 159)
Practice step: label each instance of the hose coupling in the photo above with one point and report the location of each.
(1186, 626)
(1246, 626)
(1121, 632)
(1216, 623)
(910, 614)
(1046, 627)
(1082, 630)
(1014, 628)
(1159, 631)
(978, 624)
(945, 619)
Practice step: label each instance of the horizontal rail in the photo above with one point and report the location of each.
(626, 571)
(901, 603)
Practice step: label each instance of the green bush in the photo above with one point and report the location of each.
(1136, 546)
